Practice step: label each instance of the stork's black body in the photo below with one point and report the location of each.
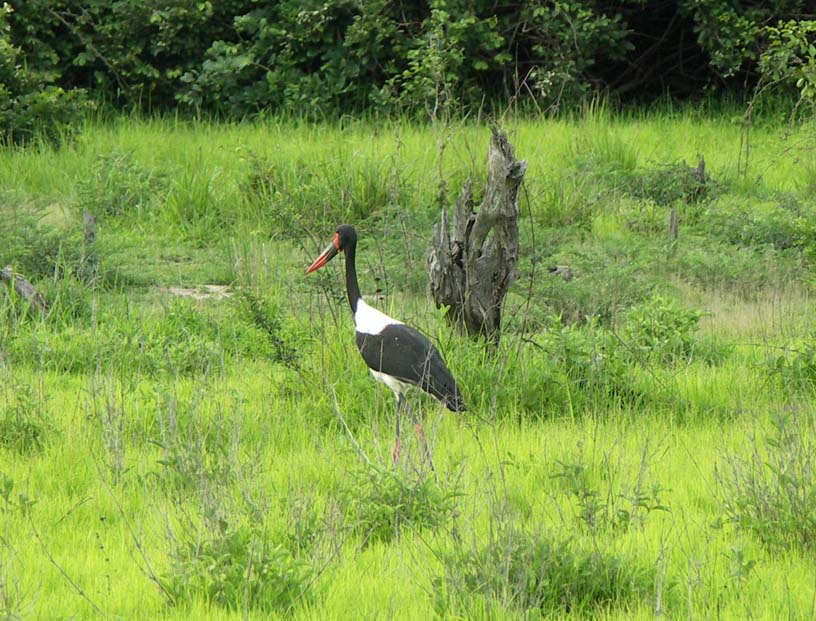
(405, 355)
(396, 354)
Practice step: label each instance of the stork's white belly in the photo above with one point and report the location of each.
(398, 386)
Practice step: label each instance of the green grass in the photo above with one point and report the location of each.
(641, 444)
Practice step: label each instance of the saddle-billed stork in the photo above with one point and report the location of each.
(397, 355)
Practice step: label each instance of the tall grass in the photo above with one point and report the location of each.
(170, 449)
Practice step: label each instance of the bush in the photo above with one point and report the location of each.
(380, 502)
(671, 183)
(23, 426)
(291, 200)
(568, 200)
(744, 270)
(268, 318)
(185, 339)
(661, 330)
(237, 569)
(31, 106)
(789, 59)
(592, 363)
(37, 250)
(612, 278)
(795, 366)
(619, 506)
(771, 492)
(565, 371)
(339, 56)
(118, 186)
(538, 573)
(782, 224)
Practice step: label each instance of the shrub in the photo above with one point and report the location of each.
(612, 278)
(603, 155)
(292, 197)
(790, 59)
(616, 508)
(743, 270)
(268, 318)
(661, 330)
(339, 56)
(117, 185)
(37, 250)
(771, 492)
(23, 426)
(795, 365)
(31, 105)
(380, 502)
(187, 339)
(538, 573)
(592, 363)
(670, 183)
(781, 224)
(563, 371)
(567, 199)
(237, 569)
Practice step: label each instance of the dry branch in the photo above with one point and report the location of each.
(471, 272)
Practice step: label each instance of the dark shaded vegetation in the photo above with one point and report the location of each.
(327, 58)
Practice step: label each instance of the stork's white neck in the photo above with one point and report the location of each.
(369, 320)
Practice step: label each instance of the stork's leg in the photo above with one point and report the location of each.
(423, 440)
(395, 453)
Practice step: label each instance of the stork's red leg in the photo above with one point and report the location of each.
(423, 440)
(395, 453)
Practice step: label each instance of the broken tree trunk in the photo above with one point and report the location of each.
(24, 289)
(472, 272)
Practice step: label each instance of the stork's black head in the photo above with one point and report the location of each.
(344, 237)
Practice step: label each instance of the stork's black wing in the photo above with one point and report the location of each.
(406, 354)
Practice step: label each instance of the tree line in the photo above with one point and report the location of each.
(328, 57)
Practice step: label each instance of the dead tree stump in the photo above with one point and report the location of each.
(471, 272)
(24, 289)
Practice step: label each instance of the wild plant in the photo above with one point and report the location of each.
(794, 366)
(221, 548)
(238, 568)
(23, 419)
(673, 183)
(770, 492)
(12, 603)
(610, 502)
(117, 185)
(661, 330)
(537, 573)
(381, 501)
(268, 317)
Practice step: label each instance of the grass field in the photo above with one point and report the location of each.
(642, 444)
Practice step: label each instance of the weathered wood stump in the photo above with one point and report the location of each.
(24, 289)
(472, 272)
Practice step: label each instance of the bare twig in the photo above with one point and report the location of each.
(336, 407)
(59, 567)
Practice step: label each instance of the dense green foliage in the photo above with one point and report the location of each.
(32, 104)
(322, 58)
